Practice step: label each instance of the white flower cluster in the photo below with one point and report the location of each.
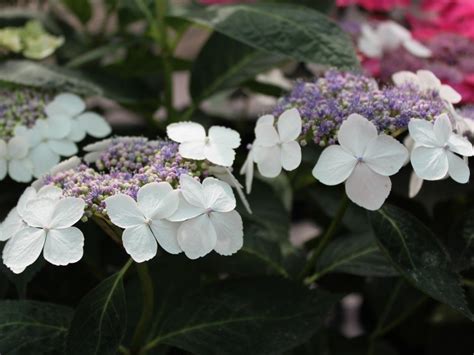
(42, 221)
(364, 159)
(387, 36)
(195, 219)
(33, 151)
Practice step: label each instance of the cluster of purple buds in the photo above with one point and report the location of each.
(123, 167)
(21, 106)
(327, 101)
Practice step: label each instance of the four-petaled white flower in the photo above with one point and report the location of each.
(276, 147)
(388, 36)
(49, 229)
(209, 221)
(145, 221)
(14, 160)
(426, 80)
(48, 141)
(218, 147)
(71, 106)
(436, 145)
(364, 160)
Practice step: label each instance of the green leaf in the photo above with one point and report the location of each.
(82, 9)
(24, 72)
(357, 254)
(419, 256)
(249, 316)
(269, 213)
(461, 243)
(30, 327)
(224, 63)
(100, 320)
(289, 30)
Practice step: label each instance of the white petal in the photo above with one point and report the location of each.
(77, 132)
(266, 120)
(192, 191)
(391, 34)
(290, 155)
(66, 103)
(28, 195)
(67, 212)
(21, 170)
(166, 233)
(417, 49)
(57, 127)
(219, 154)
(355, 133)
(94, 124)
(150, 195)
(385, 155)
(51, 192)
(18, 147)
(23, 249)
(428, 80)
(193, 150)
(404, 77)
(3, 169)
(429, 163)
(442, 129)
(447, 93)
(64, 246)
(460, 145)
(139, 243)
(43, 159)
(218, 195)
(422, 133)
(11, 225)
(289, 125)
(224, 136)
(185, 210)
(123, 211)
(366, 188)
(197, 237)
(63, 147)
(248, 170)
(3, 149)
(266, 135)
(415, 185)
(458, 168)
(186, 132)
(229, 231)
(334, 165)
(369, 43)
(268, 161)
(66, 165)
(39, 212)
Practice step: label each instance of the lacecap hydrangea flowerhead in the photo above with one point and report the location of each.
(38, 127)
(144, 187)
(358, 123)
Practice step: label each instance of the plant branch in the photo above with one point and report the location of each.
(311, 263)
(148, 305)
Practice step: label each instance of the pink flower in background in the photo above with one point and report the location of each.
(441, 16)
(374, 5)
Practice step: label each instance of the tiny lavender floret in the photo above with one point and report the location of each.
(327, 101)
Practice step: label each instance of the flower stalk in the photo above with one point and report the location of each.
(310, 265)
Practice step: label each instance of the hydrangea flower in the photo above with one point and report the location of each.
(363, 160)
(36, 129)
(436, 145)
(326, 102)
(43, 222)
(145, 221)
(218, 147)
(389, 36)
(209, 221)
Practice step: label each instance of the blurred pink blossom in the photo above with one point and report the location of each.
(374, 5)
(441, 16)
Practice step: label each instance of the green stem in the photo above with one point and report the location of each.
(148, 305)
(311, 264)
